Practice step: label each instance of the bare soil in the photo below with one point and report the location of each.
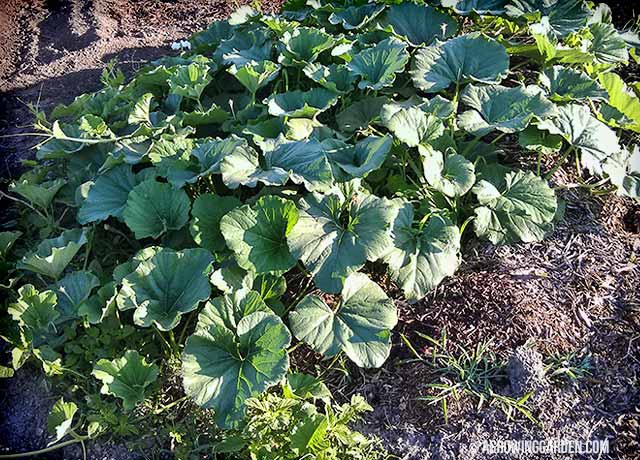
(575, 291)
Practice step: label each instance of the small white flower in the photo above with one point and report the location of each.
(186, 45)
(175, 46)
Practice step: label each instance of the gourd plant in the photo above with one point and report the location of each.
(317, 145)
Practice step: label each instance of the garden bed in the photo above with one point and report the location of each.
(560, 317)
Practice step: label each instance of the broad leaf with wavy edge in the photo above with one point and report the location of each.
(126, 378)
(305, 161)
(332, 249)
(516, 206)
(562, 16)
(607, 45)
(334, 77)
(36, 313)
(355, 17)
(377, 66)
(508, 110)
(245, 46)
(52, 256)
(223, 366)
(254, 75)
(420, 24)
(622, 99)
(449, 173)
(72, 291)
(467, 7)
(564, 84)
(303, 46)
(41, 194)
(154, 208)
(422, 255)
(165, 286)
(7, 240)
(623, 169)
(365, 156)
(301, 104)
(471, 57)
(595, 140)
(257, 234)
(207, 211)
(108, 195)
(242, 167)
(360, 326)
(60, 419)
(360, 114)
(411, 125)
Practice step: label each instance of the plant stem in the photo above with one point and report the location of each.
(562, 160)
(174, 346)
(24, 203)
(45, 450)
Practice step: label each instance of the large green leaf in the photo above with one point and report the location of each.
(423, 255)
(301, 104)
(108, 195)
(360, 114)
(607, 45)
(595, 140)
(257, 234)
(242, 167)
(517, 206)
(303, 46)
(245, 46)
(41, 194)
(623, 169)
(622, 98)
(209, 39)
(52, 256)
(467, 7)
(365, 156)
(203, 159)
(190, 81)
(335, 237)
(60, 419)
(508, 110)
(72, 291)
(355, 17)
(377, 66)
(411, 125)
(449, 173)
(207, 211)
(562, 16)
(564, 84)
(334, 77)
(7, 240)
(306, 162)
(223, 366)
(420, 24)
(154, 208)
(254, 75)
(360, 325)
(165, 286)
(35, 312)
(230, 308)
(470, 57)
(126, 378)
(100, 305)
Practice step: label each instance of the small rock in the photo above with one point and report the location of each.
(526, 372)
